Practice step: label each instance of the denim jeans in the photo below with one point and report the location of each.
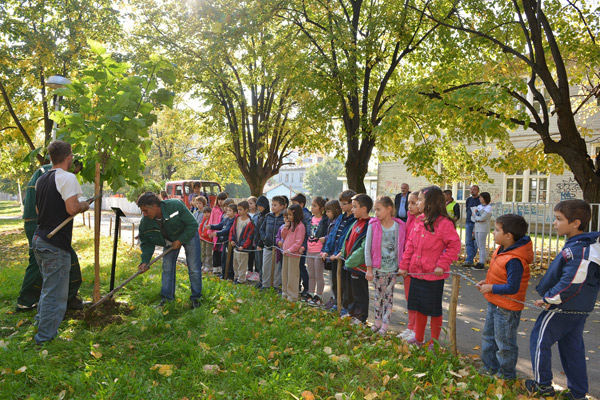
(55, 265)
(470, 243)
(499, 341)
(194, 263)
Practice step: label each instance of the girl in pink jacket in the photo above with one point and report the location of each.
(413, 213)
(384, 245)
(293, 234)
(431, 247)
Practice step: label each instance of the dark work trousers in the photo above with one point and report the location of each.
(360, 292)
(31, 287)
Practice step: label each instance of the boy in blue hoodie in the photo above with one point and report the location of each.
(569, 291)
(333, 246)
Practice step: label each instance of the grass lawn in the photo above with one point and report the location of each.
(10, 209)
(240, 344)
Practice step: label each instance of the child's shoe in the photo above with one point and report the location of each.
(329, 304)
(534, 388)
(414, 342)
(375, 328)
(216, 270)
(316, 301)
(478, 267)
(408, 334)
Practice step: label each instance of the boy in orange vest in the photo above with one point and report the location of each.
(506, 281)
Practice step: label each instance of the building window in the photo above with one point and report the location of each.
(287, 177)
(463, 191)
(526, 186)
(292, 178)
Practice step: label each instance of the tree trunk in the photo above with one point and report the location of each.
(356, 170)
(255, 182)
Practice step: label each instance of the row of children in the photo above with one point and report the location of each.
(421, 251)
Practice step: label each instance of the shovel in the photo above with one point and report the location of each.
(102, 300)
(66, 221)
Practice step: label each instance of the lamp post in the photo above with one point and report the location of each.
(56, 82)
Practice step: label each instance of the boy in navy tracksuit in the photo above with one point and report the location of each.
(571, 284)
(222, 234)
(241, 236)
(333, 246)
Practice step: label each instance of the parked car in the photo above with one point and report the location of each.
(182, 190)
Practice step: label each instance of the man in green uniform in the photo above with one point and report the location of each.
(169, 223)
(32, 281)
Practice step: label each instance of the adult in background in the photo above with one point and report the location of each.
(169, 223)
(452, 207)
(57, 198)
(401, 202)
(470, 246)
(31, 287)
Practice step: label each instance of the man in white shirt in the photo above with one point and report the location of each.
(57, 198)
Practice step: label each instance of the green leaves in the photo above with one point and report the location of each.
(112, 106)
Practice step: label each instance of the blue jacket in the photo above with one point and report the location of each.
(331, 245)
(223, 228)
(269, 229)
(471, 202)
(573, 278)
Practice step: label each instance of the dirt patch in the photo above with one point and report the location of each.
(109, 312)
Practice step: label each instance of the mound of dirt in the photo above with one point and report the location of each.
(109, 312)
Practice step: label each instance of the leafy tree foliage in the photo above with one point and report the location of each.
(321, 179)
(244, 66)
(112, 110)
(356, 49)
(39, 39)
(512, 66)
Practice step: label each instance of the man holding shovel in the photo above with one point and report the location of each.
(57, 198)
(170, 223)
(32, 281)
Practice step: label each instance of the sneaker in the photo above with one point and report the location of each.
(478, 267)
(344, 314)
(258, 285)
(570, 396)
(333, 309)
(316, 301)
(414, 342)
(356, 321)
(467, 265)
(216, 270)
(406, 334)
(195, 303)
(75, 304)
(534, 388)
(375, 328)
(22, 308)
(329, 304)
(306, 296)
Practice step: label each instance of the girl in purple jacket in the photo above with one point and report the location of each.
(384, 246)
(431, 246)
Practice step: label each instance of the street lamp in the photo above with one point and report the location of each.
(56, 82)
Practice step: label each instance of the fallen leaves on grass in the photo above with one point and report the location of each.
(163, 369)
(308, 395)
(210, 369)
(21, 370)
(96, 354)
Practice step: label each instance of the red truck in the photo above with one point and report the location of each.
(182, 190)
